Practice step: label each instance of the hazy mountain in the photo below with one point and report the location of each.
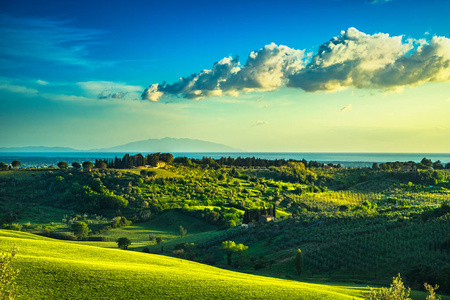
(170, 145)
(150, 145)
(37, 149)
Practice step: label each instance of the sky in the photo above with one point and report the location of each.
(261, 76)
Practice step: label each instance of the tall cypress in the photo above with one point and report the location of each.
(299, 262)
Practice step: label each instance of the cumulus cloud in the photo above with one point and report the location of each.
(265, 70)
(346, 108)
(378, 61)
(352, 59)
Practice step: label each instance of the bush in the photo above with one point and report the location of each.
(16, 227)
(397, 291)
(123, 243)
(8, 274)
(80, 229)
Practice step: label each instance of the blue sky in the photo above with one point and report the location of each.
(348, 76)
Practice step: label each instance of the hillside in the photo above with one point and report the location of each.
(62, 270)
(167, 144)
(354, 225)
(170, 145)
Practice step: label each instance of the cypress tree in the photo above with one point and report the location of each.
(299, 262)
(274, 210)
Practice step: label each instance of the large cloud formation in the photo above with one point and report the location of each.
(353, 59)
(265, 69)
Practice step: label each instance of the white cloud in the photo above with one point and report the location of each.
(265, 70)
(14, 88)
(353, 59)
(41, 82)
(109, 89)
(346, 108)
(64, 97)
(379, 61)
(260, 123)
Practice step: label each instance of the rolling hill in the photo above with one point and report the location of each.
(53, 269)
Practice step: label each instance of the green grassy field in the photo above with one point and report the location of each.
(53, 269)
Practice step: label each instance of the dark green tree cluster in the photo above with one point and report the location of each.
(123, 243)
(254, 162)
(253, 215)
(80, 229)
(3, 166)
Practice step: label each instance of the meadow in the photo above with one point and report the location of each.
(63, 270)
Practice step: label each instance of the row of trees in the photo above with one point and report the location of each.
(248, 162)
(425, 164)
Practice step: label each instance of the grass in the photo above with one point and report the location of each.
(65, 270)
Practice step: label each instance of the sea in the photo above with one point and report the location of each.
(353, 160)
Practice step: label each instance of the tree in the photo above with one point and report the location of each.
(159, 240)
(426, 162)
(80, 229)
(230, 247)
(437, 165)
(123, 243)
(182, 231)
(299, 262)
(101, 165)
(3, 166)
(166, 157)
(397, 291)
(375, 166)
(87, 166)
(8, 274)
(62, 165)
(16, 164)
(76, 165)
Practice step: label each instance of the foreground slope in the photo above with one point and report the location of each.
(53, 269)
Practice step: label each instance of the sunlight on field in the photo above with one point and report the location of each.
(63, 270)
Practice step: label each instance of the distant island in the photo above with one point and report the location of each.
(151, 145)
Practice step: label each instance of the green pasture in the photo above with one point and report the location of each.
(63, 270)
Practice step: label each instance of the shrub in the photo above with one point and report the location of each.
(397, 291)
(80, 229)
(123, 243)
(8, 274)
